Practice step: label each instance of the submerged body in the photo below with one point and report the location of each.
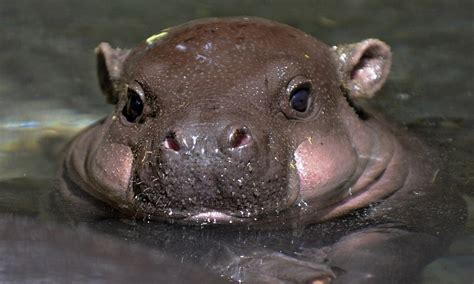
(40, 253)
(248, 121)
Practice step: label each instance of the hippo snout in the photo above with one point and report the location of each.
(211, 167)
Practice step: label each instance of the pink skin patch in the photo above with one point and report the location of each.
(323, 168)
(112, 168)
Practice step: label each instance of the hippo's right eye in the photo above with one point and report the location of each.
(134, 107)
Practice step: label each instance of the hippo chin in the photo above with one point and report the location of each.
(238, 120)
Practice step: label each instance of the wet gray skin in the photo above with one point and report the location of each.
(248, 121)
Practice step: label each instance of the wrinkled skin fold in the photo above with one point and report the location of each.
(251, 122)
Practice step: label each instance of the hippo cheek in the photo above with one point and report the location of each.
(111, 170)
(323, 169)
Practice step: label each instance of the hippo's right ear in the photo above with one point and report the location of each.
(109, 69)
(364, 66)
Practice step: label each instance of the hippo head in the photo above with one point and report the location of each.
(235, 120)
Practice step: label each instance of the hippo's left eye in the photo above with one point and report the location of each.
(134, 107)
(299, 99)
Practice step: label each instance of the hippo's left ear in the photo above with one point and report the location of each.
(109, 69)
(364, 67)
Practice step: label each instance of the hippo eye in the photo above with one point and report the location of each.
(299, 99)
(134, 107)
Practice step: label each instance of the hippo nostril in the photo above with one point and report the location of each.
(171, 142)
(240, 137)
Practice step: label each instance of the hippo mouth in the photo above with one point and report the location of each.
(202, 190)
(209, 217)
(215, 206)
(214, 217)
(206, 217)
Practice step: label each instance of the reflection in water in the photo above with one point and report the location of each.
(31, 139)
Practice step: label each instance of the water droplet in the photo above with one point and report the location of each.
(181, 47)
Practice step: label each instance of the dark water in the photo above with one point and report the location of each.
(48, 87)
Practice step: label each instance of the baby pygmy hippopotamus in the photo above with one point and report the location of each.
(249, 121)
(238, 120)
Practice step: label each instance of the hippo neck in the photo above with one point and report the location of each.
(382, 169)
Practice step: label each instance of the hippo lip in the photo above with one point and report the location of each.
(214, 217)
(203, 216)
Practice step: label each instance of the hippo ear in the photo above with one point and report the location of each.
(364, 67)
(109, 69)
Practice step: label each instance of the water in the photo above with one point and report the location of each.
(49, 90)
